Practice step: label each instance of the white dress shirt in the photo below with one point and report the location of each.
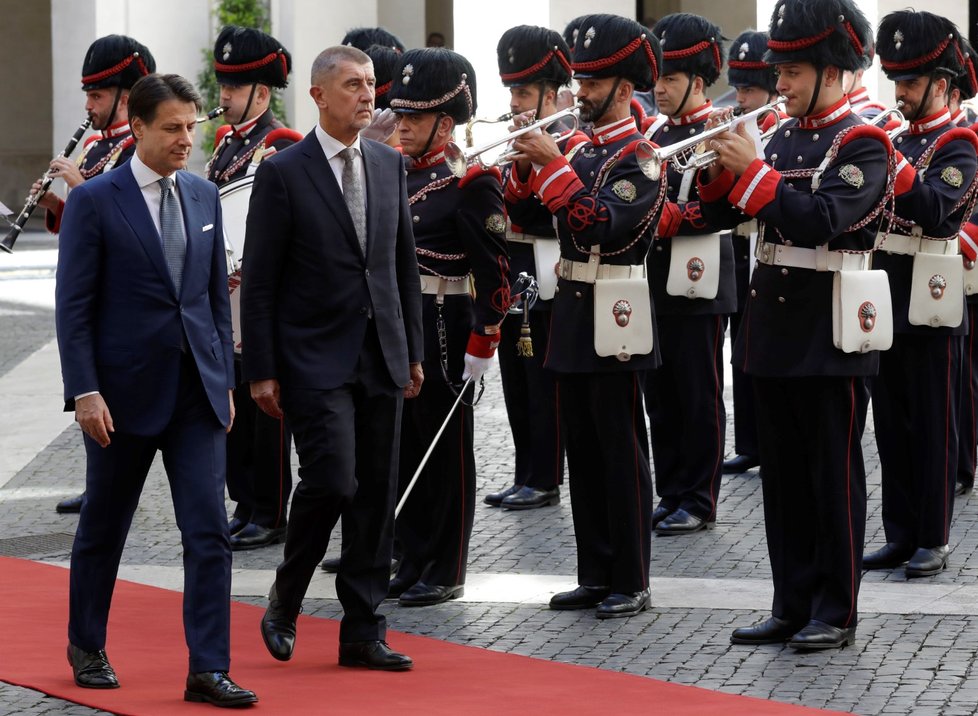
(332, 148)
(146, 180)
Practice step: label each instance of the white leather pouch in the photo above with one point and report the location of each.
(970, 278)
(694, 268)
(862, 313)
(622, 317)
(937, 290)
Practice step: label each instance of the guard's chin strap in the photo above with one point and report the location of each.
(689, 91)
(607, 101)
(924, 101)
(543, 92)
(818, 90)
(110, 120)
(251, 98)
(431, 136)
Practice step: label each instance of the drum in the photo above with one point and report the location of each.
(235, 197)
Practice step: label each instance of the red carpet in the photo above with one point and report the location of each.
(147, 649)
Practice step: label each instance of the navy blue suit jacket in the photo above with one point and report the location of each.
(121, 324)
(307, 289)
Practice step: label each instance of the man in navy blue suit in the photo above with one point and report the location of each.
(144, 330)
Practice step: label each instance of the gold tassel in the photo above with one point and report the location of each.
(524, 346)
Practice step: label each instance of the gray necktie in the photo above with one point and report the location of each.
(353, 195)
(171, 228)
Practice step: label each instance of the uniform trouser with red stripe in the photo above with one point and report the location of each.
(530, 391)
(434, 528)
(259, 450)
(814, 486)
(684, 399)
(968, 415)
(915, 410)
(745, 423)
(610, 480)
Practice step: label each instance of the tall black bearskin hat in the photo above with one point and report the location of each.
(746, 66)
(820, 32)
(363, 37)
(690, 44)
(911, 44)
(385, 60)
(614, 46)
(528, 54)
(116, 61)
(571, 32)
(244, 56)
(967, 81)
(433, 79)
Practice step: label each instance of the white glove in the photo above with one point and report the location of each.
(381, 127)
(475, 367)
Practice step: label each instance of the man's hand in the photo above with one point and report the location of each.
(412, 389)
(64, 168)
(49, 201)
(735, 150)
(92, 414)
(475, 367)
(381, 127)
(266, 394)
(536, 146)
(231, 402)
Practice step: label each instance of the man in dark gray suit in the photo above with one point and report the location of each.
(331, 324)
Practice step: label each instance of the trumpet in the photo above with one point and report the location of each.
(882, 118)
(469, 140)
(459, 159)
(213, 114)
(688, 155)
(32, 201)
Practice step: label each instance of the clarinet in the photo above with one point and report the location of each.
(18, 225)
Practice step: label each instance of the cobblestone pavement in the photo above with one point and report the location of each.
(919, 663)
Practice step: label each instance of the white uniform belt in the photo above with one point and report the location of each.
(527, 238)
(435, 286)
(588, 272)
(910, 245)
(818, 259)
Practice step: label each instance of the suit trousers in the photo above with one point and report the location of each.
(916, 399)
(259, 460)
(610, 480)
(347, 442)
(193, 448)
(435, 525)
(968, 415)
(814, 486)
(684, 399)
(530, 392)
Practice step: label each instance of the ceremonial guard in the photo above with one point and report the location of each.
(112, 66)
(859, 99)
(916, 397)
(459, 230)
(691, 270)
(385, 61)
(755, 82)
(363, 38)
(964, 87)
(534, 64)
(827, 167)
(249, 65)
(602, 340)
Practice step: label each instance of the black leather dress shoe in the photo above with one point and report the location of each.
(495, 499)
(253, 536)
(582, 597)
(527, 498)
(681, 522)
(928, 561)
(740, 463)
(888, 556)
(235, 525)
(278, 627)
(397, 587)
(91, 669)
(331, 565)
(426, 595)
(818, 635)
(623, 605)
(660, 513)
(70, 505)
(770, 631)
(373, 655)
(216, 687)
(962, 488)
